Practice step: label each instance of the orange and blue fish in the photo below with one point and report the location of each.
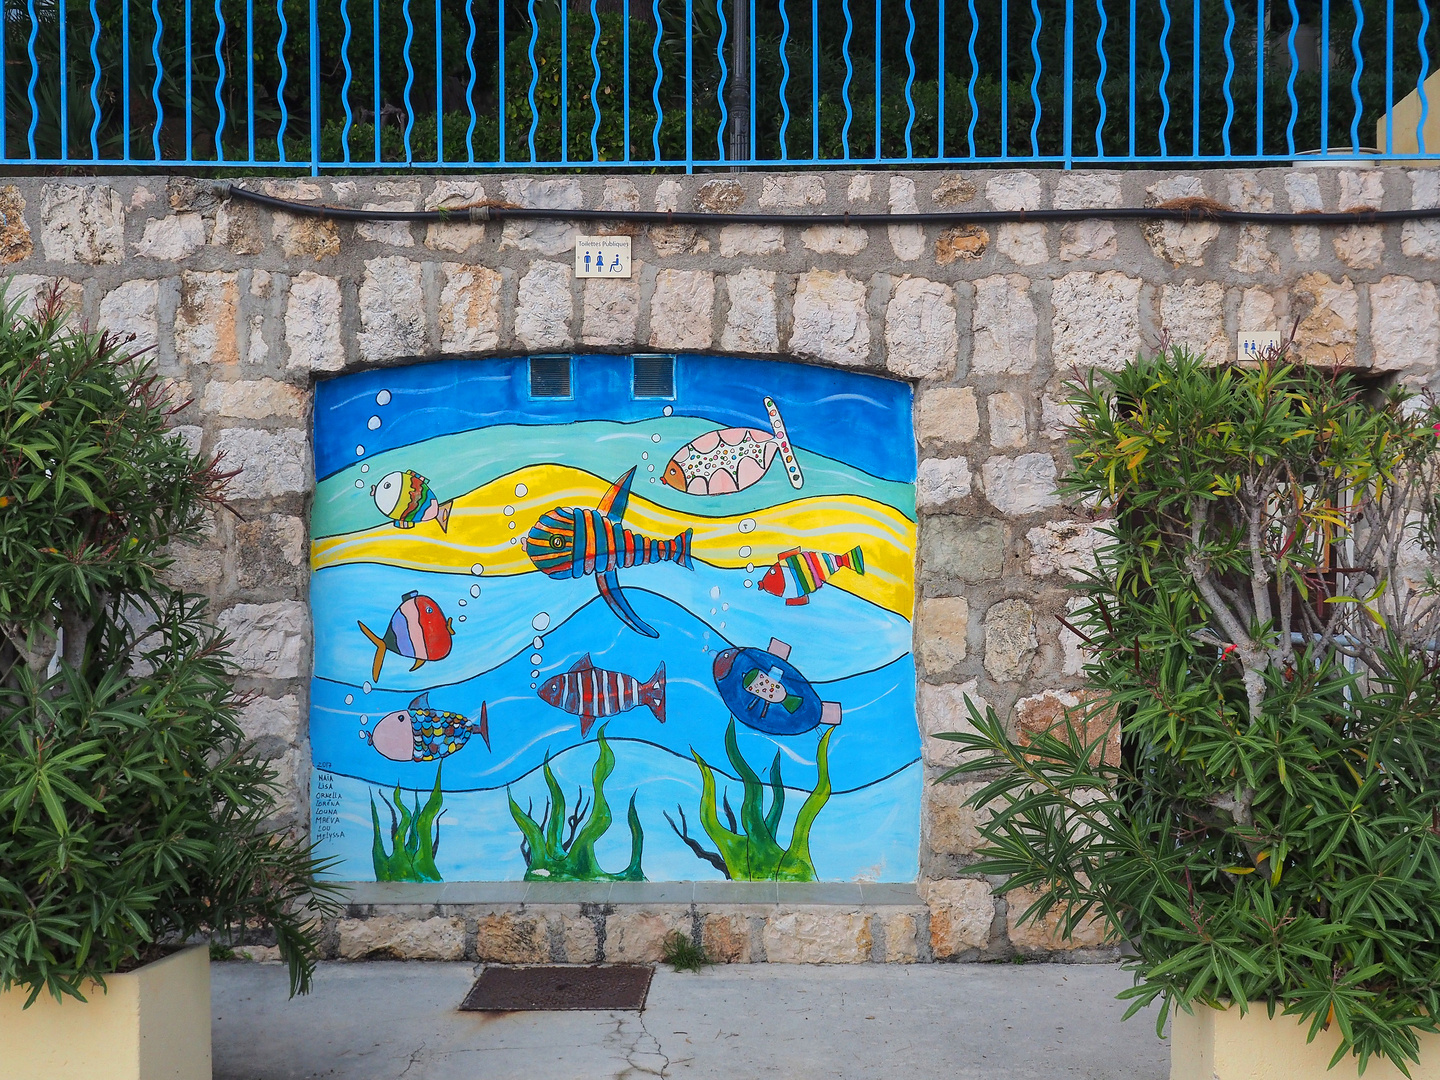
(796, 574)
(570, 542)
(418, 631)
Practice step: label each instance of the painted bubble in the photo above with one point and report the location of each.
(749, 569)
(366, 687)
(512, 539)
(536, 658)
(538, 643)
(748, 583)
(477, 569)
(747, 525)
(714, 592)
(360, 483)
(534, 674)
(461, 618)
(373, 423)
(713, 611)
(532, 686)
(359, 451)
(645, 455)
(364, 719)
(650, 468)
(462, 602)
(509, 511)
(668, 410)
(474, 590)
(382, 398)
(365, 467)
(744, 551)
(521, 491)
(541, 621)
(654, 438)
(724, 607)
(349, 699)
(512, 525)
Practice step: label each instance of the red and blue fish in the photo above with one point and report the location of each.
(418, 631)
(589, 692)
(406, 499)
(570, 542)
(421, 733)
(796, 574)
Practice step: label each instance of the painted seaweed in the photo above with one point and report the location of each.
(414, 837)
(549, 856)
(749, 850)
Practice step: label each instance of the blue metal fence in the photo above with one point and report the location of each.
(353, 85)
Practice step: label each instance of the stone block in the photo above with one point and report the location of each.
(782, 190)
(460, 234)
(271, 463)
(15, 242)
(968, 242)
(581, 940)
(1096, 320)
(512, 938)
(469, 311)
(1048, 711)
(958, 546)
(1329, 318)
(1006, 411)
(544, 307)
(206, 320)
(902, 937)
(1193, 314)
(239, 226)
(835, 239)
(1085, 190)
(1257, 310)
(638, 937)
(738, 240)
(545, 237)
(961, 913)
(947, 415)
(312, 323)
(953, 191)
(610, 311)
(819, 936)
(257, 399)
(619, 194)
(1021, 485)
(942, 481)
(906, 241)
(1361, 247)
(860, 188)
(751, 324)
(1064, 547)
(682, 310)
(1181, 243)
(721, 195)
(171, 238)
(1044, 935)
(1252, 251)
(725, 937)
(271, 551)
(921, 339)
(829, 318)
(389, 233)
(1013, 190)
(392, 309)
(1025, 243)
(1010, 641)
(1404, 325)
(1005, 326)
(131, 311)
(399, 937)
(272, 720)
(303, 235)
(951, 826)
(1247, 193)
(942, 708)
(82, 223)
(942, 626)
(31, 289)
(268, 639)
(1088, 239)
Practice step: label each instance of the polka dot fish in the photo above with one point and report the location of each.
(732, 459)
(421, 733)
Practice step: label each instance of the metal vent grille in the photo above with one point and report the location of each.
(550, 377)
(543, 989)
(654, 376)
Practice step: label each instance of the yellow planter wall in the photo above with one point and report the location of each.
(148, 1024)
(1216, 1044)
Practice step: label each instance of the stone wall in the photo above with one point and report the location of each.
(245, 309)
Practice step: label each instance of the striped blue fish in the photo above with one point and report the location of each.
(570, 542)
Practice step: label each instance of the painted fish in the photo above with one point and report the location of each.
(763, 690)
(421, 733)
(418, 631)
(405, 497)
(570, 542)
(731, 459)
(797, 574)
(590, 692)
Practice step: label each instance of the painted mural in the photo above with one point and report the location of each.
(536, 617)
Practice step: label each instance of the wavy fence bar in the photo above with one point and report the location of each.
(351, 85)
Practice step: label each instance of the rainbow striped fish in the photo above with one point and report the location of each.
(572, 542)
(588, 692)
(798, 573)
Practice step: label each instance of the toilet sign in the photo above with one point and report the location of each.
(602, 256)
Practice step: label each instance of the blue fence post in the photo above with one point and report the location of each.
(315, 88)
(1069, 79)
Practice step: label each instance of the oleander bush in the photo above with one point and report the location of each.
(1261, 625)
(132, 815)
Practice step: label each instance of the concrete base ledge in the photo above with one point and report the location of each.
(373, 893)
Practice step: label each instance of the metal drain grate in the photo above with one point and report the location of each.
(546, 989)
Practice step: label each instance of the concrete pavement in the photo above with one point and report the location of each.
(387, 1020)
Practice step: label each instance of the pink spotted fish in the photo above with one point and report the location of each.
(731, 459)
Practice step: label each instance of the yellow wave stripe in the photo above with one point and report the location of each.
(480, 531)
